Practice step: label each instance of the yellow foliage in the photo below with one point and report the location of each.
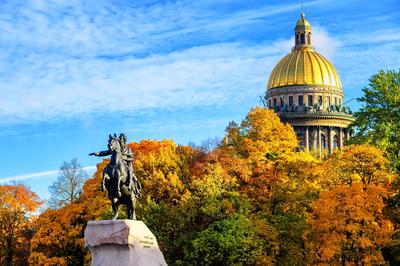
(359, 163)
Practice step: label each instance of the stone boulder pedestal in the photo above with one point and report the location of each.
(121, 243)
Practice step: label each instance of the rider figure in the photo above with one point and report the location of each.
(102, 154)
(127, 157)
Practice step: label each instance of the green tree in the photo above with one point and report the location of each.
(378, 123)
(378, 120)
(236, 241)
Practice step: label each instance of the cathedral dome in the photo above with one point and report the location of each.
(305, 91)
(304, 66)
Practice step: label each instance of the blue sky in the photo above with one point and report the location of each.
(71, 72)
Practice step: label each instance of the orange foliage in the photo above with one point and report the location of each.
(93, 199)
(59, 236)
(19, 198)
(17, 203)
(348, 227)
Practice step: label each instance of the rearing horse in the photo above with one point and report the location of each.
(114, 179)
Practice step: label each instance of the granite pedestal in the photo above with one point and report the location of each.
(121, 243)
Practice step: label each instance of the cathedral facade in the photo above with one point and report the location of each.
(305, 91)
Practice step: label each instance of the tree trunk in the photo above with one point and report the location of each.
(10, 250)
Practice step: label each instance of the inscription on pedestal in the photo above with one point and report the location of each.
(148, 242)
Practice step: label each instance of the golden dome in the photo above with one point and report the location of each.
(303, 66)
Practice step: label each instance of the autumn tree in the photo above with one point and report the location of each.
(358, 163)
(378, 120)
(280, 183)
(348, 226)
(164, 170)
(251, 150)
(17, 204)
(300, 180)
(68, 186)
(260, 136)
(186, 191)
(58, 239)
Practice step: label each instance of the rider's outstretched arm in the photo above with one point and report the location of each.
(101, 153)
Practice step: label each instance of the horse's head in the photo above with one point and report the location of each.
(113, 143)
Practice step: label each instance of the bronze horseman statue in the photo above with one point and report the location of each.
(118, 177)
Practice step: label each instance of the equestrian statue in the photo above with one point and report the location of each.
(118, 177)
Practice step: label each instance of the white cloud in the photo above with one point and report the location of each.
(324, 43)
(63, 59)
(62, 62)
(199, 76)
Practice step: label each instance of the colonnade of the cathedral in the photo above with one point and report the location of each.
(322, 138)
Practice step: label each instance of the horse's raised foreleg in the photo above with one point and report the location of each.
(103, 180)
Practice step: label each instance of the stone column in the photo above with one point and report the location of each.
(330, 142)
(347, 134)
(122, 242)
(307, 140)
(319, 144)
(340, 138)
